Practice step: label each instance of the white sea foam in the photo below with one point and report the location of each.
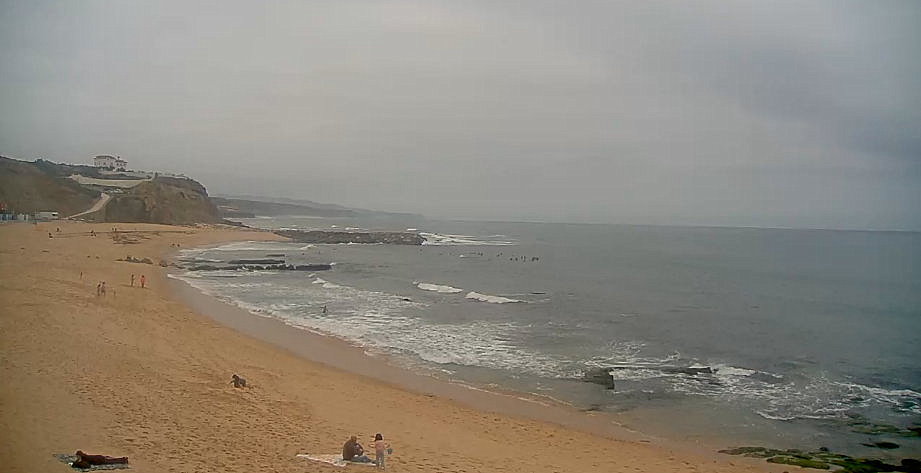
(438, 288)
(379, 321)
(491, 299)
(436, 239)
(726, 370)
(326, 284)
(774, 416)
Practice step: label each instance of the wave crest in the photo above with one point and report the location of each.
(438, 288)
(491, 299)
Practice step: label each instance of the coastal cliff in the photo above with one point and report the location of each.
(163, 200)
(322, 236)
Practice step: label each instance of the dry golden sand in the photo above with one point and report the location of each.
(136, 373)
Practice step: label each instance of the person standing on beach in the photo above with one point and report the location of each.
(380, 451)
(143, 281)
(102, 288)
(132, 280)
(99, 289)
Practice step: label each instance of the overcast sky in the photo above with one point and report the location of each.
(769, 113)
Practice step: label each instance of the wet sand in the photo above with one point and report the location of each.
(146, 373)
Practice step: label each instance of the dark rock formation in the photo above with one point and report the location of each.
(603, 376)
(824, 460)
(131, 259)
(599, 376)
(256, 261)
(262, 267)
(883, 445)
(322, 236)
(862, 425)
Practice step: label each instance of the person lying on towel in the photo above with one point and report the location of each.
(85, 461)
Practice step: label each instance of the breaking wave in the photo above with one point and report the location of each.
(438, 288)
(491, 299)
(436, 239)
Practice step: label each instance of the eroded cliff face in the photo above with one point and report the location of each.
(163, 200)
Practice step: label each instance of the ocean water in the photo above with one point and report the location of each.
(811, 335)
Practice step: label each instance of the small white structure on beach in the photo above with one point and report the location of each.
(47, 215)
(110, 162)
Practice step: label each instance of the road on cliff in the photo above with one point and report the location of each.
(100, 203)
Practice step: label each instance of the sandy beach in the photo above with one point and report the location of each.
(137, 372)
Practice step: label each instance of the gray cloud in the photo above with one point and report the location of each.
(743, 113)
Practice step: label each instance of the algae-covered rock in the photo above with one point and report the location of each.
(863, 426)
(797, 461)
(863, 465)
(758, 452)
(823, 459)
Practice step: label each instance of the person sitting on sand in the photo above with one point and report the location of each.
(238, 382)
(353, 451)
(87, 461)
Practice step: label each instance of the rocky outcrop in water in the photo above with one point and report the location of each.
(256, 261)
(822, 459)
(323, 236)
(261, 267)
(603, 376)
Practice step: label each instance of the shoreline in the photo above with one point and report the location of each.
(341, 354)
(138, 373)
(354, 359)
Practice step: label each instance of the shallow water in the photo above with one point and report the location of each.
(806, 332)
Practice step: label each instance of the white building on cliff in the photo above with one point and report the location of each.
(110, 162)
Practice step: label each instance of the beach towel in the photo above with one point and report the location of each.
(334, 459)
(69, 459)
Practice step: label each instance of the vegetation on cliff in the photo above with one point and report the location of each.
(28, 187)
